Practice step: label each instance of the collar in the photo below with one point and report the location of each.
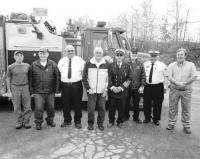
(93, 61)
(180, 64)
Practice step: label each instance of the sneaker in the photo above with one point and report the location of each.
(137, 120)
(146, 121)
(90, 127)
(187, 130)
(78, 125)
(157, 123)
(170, 127)
(19, 126)
(52, 124)
(65, 124)
(27, 125)
(38, 127)
(101, 127)
(110, 125)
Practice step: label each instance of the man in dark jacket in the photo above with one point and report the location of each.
(138, 79)
(119, 75)
(44, 83)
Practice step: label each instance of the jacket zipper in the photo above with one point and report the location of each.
(97, 78)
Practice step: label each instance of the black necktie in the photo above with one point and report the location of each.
(151, 73)
(70, 68)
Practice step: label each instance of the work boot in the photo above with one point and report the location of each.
(101, 127)
(187, 130)
(156, 122)
(52, 124)
(78, 125)
(121, 125)
(38, 127)
(110, 125)
(65, 124)
(90, 127)
(27, 125)
(18, 125)
(170, 127)
(137, 120)
(146, 121)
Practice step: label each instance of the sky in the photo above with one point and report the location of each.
(59, 11)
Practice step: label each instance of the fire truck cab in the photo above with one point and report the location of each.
(28, 36)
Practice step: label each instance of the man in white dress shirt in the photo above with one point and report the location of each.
(71, 69)
(156, 85)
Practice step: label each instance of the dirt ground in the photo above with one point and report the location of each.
(144, 141)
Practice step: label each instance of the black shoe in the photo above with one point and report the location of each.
(52, 124)
(38, 127)
(101, 127)
(121, 125)
(27, 125)
(146, 121)
(90, 127)
(187, 130)
(78, 125)
(65, 124)
(19, 126)
(137, 120)
(157, 123)
(110, 125)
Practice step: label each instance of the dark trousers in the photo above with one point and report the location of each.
(136, 99)
(42, 100)
(117, 104)
(153, 98)
(93, 100)
(71, 97)
(127, 105)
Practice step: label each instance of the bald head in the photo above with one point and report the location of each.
(70, 51)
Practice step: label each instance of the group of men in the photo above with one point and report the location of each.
(115, 81)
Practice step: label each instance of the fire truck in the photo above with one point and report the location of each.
(28, 36)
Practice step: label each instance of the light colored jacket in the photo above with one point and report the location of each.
(95, 76)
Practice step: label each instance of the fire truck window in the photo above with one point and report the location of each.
(100, 39)
(115, 42)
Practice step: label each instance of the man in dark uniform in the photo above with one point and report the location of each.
(138, 79)
(119, 81)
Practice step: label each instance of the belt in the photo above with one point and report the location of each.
(71, 83)
(149, 84)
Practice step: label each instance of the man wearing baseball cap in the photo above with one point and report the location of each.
(44, 83)
(18, 90)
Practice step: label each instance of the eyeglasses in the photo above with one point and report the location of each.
(70, 51)
(119, 55)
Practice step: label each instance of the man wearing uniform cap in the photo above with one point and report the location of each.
(119, 80)
(44, 83)
(18, 90)
(156, 85)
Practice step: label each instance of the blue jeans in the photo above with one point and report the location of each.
(42, 100)
(92, 100)
(21, 97)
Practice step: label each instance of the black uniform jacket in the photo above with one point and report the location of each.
(117, 77)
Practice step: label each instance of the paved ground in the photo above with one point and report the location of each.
(134, 142)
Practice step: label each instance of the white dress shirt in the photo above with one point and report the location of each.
(159, 72)
(77, 66)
